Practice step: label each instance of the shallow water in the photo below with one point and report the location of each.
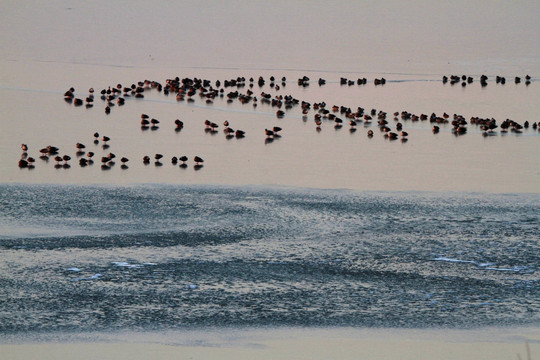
(303, 156)
(364, 40)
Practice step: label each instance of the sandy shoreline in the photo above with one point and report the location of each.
(289, 343)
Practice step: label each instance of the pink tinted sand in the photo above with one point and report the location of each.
(335, 343)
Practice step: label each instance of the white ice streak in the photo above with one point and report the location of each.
(442, 258)
(126, 264)
(513, 269)
(485, 266)
(93, 277)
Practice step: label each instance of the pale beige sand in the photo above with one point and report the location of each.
(492, 344)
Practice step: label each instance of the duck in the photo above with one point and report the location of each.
(69, 93)
(179, 124)
(44, 153)
(52, 150)
(240, 133)
(183, 159)
(198, 160)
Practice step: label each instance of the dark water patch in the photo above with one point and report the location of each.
(246, 293)
(152, 257)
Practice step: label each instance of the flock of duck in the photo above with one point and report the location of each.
(86, 158)
(187, 89)
(464, 80)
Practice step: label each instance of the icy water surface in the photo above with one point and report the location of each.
(168, 257)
